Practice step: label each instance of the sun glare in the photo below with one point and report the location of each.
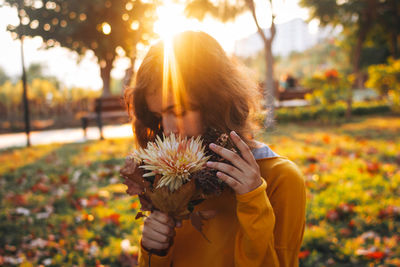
(171, 21)
(106, 28)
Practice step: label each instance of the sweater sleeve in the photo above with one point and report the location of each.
(271, 228)
(255, 239)
(144, 258)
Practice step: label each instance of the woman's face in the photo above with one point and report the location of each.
(175, 119)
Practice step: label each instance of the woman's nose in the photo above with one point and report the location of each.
(170, 124)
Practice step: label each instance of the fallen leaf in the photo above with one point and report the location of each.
(197, 221)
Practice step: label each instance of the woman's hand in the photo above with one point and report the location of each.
(244, 176)
(158, 231)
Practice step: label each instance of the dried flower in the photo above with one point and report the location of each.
(174, 158)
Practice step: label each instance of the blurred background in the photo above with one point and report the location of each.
(330, 75)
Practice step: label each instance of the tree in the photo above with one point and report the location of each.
(106, 27)
(358, 19)
(225, 10)
(3, 76)
(37, 70)
(389, 22)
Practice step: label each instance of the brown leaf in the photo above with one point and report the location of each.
(133, 188)
(174, 203)
(207, 214)
(196, 220)
(133, 176)
(145, 203)
(132, 172)
(140, 215)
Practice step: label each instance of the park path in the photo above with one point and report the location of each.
(73, 135)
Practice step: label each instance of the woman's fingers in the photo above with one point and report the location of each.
(244, 176)
(163, 218)
(244, 148)
(233, 183)
(158, 237)
(150, 244)
(158, 231)
(231, 156)
(226, 168)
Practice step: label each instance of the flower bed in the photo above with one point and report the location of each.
(335, 112)
(63, 205)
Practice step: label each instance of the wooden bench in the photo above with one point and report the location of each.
(293, 94)
(105, 108)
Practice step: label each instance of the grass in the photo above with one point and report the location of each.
(63, 205)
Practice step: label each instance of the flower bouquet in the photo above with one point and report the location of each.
(170, 174)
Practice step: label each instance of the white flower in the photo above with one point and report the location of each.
(47, 261)
(22, 211)
(175, 158)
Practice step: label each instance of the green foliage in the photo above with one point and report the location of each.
(256, 64)
(328, 114)
(42, 90)
(50, 106)
(70, 211)
(117, 87)
(385, 78)
(78, 25)
(102, 26)
(223, 10)
(323, 56)
(37, 70)
(64, 205)
(374, 23)
(352, 180)
(328, 87)
(3, 76)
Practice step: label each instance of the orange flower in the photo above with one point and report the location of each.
(332, 215)
(304, 254)
(134, 205)
(331, 74)
(326, 138)
(113, 218)
(375, 255)
(373, 167)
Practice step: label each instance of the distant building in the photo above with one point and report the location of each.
(290, 36)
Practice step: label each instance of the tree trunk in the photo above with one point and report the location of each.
(364, 26)
(130, 71)
(356, 71)
(269, 87)
(25, 97)
(395, 52)
(395, 31)
(105, 72)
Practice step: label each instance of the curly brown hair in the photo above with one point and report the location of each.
(223, 94)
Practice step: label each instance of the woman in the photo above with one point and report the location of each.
(260, 222)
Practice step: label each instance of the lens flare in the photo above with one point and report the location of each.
(171, 21)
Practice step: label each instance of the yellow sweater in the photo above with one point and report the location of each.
(263, 227)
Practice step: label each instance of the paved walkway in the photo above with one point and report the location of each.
(76, 134)
(64, 136)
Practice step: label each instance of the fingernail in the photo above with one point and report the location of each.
(234, 133)
(219, 174)
(212, 145)
(209, 163)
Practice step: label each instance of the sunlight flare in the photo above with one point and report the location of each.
(171, 21)
(106, 28)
